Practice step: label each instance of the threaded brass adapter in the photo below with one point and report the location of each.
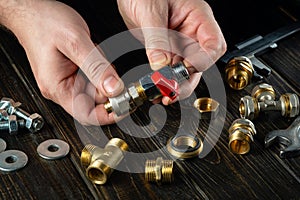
(241, 134)
(239, 72)
(100, 163)
(159, 170)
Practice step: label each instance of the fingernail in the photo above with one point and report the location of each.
(157, 59)
(112, 85)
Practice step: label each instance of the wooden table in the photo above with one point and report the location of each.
(261, 174)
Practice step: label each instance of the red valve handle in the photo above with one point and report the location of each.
(167, 87)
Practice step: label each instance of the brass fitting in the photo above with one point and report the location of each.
(207, 108)
(100, 163)
(288, 105)
(159, 170)
(239, 72)
(263, 92)
(241, 134)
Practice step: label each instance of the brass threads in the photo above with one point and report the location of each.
(184, 146)
(159, 171)
(108, 107)
(100, 162)
(241, 134)
(141, 91)
(239, 72)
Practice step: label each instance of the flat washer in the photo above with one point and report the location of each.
(12, 160)
(2, 145)
(59, 149)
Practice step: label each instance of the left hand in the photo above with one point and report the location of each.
(202, 42)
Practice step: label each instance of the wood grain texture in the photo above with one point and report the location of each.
(261, 174)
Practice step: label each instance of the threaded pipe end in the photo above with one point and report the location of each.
(86, 155)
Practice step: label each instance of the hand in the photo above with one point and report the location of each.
(199, 41)
(57, 41)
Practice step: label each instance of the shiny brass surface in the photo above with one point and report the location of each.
(100, 162)
(207, 107)
(159, 170)
(241, 135)
(239, 72)
(184, 146)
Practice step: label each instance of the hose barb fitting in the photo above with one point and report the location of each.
(100, 162)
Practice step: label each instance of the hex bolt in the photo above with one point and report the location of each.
(12, 125)
(9, 105)
(159, 170)
(241, 134)
(288, 105)
(263, 92)
(33, 122)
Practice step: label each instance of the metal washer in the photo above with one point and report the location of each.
(44, 151)
(2, 145)
(12, 160)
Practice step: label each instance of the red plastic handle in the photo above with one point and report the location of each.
(166, 86)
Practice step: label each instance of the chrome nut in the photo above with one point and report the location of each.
(13, 124)
(289, 105)
(9, 105)
(248, 108)
(34, 122)
(135, 95)
(207, 108)
(263, 92)
(121, 103)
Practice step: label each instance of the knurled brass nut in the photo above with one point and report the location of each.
(290, 105)
(239, 72)
(207, 108)
(263, 92)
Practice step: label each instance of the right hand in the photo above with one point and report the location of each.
(57, 43)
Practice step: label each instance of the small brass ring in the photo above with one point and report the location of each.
(185, 146)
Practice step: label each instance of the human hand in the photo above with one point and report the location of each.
(57, 42)
(198, 41)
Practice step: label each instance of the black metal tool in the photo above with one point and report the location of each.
(289, 137)
(259, 44)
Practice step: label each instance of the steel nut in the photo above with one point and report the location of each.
(34, 122)
(290, 105)
(248, 107)
(12, 124)
(3, 115)
(134, 95)
(207, 108)
(263, 92)
(9, 104)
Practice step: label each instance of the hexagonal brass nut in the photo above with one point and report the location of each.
(289, 105)
(263, 92)
(207, 108)
(248, 107)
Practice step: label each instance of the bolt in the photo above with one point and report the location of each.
(159, 170)
(9, 105)
(288, 105)
(12, 125)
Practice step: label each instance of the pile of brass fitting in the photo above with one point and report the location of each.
(262, 99)
(159, 171)
(239, 72)
(100, 162)
(13, 118)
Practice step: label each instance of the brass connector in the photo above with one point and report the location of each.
(207, 108)
(241, 134)
(239, 72)
(263, 92)
(159, 171)
(100, 162)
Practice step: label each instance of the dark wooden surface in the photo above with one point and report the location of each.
(261, 174)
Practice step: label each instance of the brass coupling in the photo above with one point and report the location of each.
(288, 105)
(207, 108)
(239, 72)
(241, 134)
(159, 171)
(100, 162)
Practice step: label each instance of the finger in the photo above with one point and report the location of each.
(79, 48)
(154, 24)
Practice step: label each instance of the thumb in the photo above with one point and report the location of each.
(156, 40)
(93, 64)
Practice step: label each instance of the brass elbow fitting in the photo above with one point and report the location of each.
(241, 134)
(100, 162)
(159, 170)
(239, 72)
